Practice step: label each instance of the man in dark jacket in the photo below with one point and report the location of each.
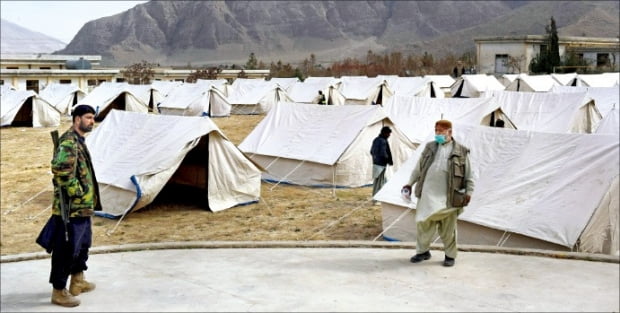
(381, 158)
(75, 181)
(321, 98)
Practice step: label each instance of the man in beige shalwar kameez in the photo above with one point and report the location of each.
(444, 185)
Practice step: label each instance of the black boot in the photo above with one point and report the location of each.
(448, 261)
(420, 257)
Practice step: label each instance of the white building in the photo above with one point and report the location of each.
(494, 54)
(35, 71)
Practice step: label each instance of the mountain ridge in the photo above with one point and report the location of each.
(17, 39)
(184, 32)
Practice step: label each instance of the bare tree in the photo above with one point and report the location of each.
(204, 73)
(140, 73)
(513, 64)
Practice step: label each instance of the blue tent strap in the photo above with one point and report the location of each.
(315, 186)
(386, 238)
(134, 180)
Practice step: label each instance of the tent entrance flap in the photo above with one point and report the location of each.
(24, 115)
(192, 175)
(118, 103)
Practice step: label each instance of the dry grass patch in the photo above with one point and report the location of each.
(284, 212)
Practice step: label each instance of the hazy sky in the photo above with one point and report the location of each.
(60, 19)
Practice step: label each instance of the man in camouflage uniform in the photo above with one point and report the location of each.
(73, 172)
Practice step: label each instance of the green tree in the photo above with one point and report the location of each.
(140, 73)
(554, 47)
(252, 62)
(549, 56)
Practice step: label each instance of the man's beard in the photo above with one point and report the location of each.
(85, 128)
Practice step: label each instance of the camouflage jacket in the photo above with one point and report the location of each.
(80, 183)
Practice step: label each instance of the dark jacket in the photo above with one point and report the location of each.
(380, 151)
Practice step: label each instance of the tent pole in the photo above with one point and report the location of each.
(334, 180)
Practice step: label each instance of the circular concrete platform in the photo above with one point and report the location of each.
(319, 276)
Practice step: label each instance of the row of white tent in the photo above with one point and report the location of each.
(548, 161)
(256, 96)
(525, 82)
(475, 85)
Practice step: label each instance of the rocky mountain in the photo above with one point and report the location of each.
(16, 39)
(216, 32)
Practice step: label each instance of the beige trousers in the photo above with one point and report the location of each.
(443, 222)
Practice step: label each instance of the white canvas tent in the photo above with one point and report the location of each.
(563, 79)
(596, 80)
(507, 79)
(308, 90)
(360, 90)
(412, 86)
(321, 145)
(416, 116)
(255, 96)
(160, 89)
(533, 190)
(26, 108)
(135, 155)
(62, 96)
(195, 100)
(536, 83)
(442, 81)
(6, 88)
(120, 96)
(474, 85)
(610, 124)
(285, 82)
(605, 98)
(221, 84)
(549, 112)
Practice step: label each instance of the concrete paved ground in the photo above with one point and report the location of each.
(325, 277)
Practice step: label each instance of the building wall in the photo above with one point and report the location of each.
(528, 47)
(487, 55)
(42, 70)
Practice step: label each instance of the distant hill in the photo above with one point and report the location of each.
(214, 32)
(16, 39)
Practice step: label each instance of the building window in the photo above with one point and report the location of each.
(12, 68)
(32, 85)
(91, 82)
(45, 68)
(100, 81)
(1, 82)
(180, 80)
(120, 80)
(65, 81)
(602, 59)
(501, 63)
(580, 57)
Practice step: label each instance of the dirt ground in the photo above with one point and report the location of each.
(284, 212)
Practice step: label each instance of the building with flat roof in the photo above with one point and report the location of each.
(513, 54)
(35, 71)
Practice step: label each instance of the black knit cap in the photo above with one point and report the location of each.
(82, 109)
(385, 130)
